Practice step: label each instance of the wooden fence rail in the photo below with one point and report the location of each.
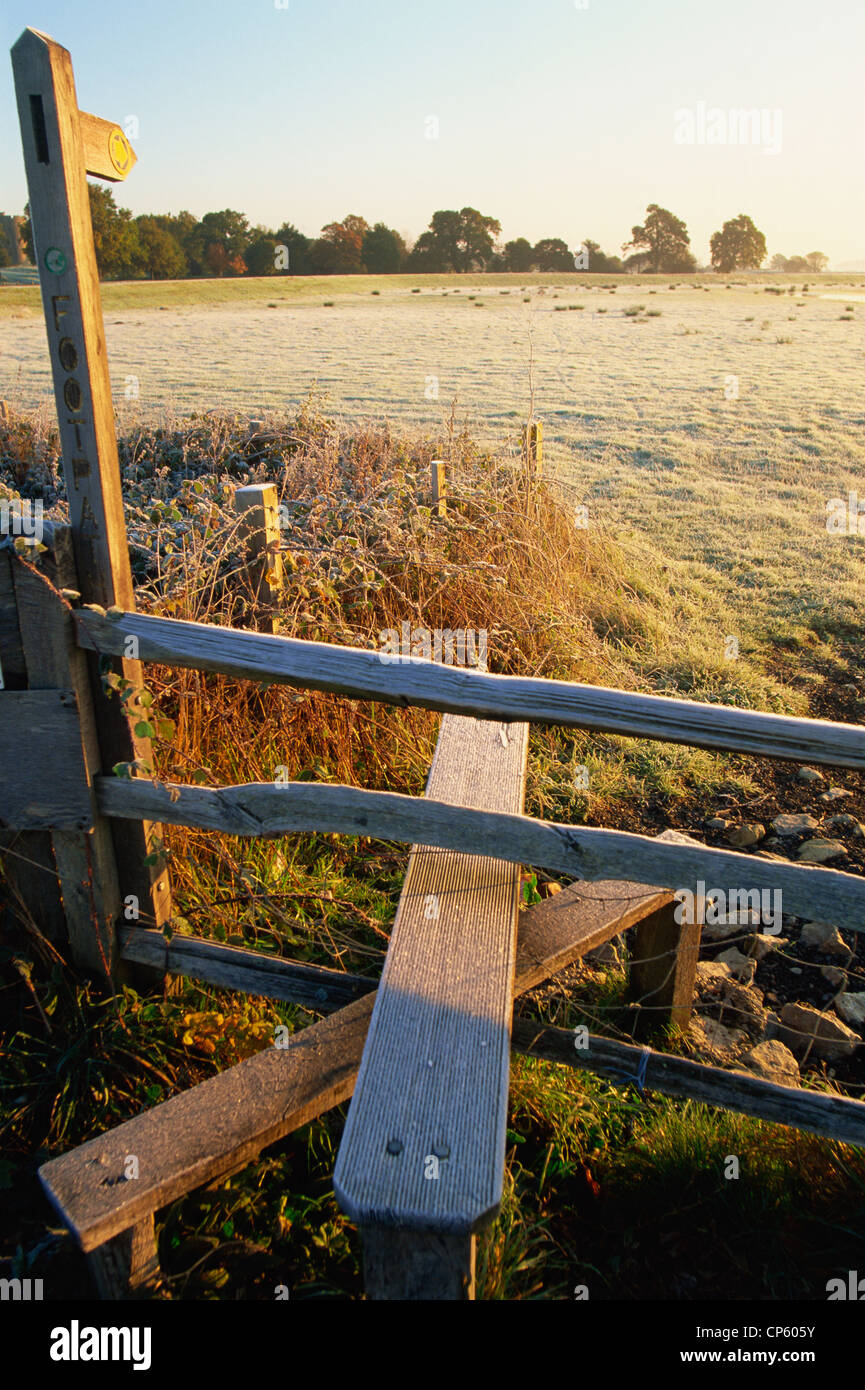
(259, 808)
(372, 675)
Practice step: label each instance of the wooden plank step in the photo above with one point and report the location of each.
(424, 1143)
(212, 1129)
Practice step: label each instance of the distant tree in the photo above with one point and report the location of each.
(778, 262)
(383, 250)
(186, 230)
(599, 262)
(796, 265)
(552, 253)
(221, 262)
(346, 237)
(297, 246)
(260, 255)
(5, 258)
(664, 240)
(817, 261)
(162, 256)
(430, 254)
(518, 256)
(223, 238)
(738, 246)
(461, 241)
(116, 237)
(27, 235)
(326, 258)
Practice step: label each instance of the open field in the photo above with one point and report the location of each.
(710, 427)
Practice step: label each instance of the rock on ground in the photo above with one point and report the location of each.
(794, 824)
(809, 774)
(773, 1062)
(750, 833)
(821, 851)
(825, 937)
(851, 1007)
(802, 1027)
(743, 967)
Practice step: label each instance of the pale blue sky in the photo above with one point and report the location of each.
(555, 119)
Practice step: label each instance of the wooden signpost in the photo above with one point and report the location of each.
(61, 146)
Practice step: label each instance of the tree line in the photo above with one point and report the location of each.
(167, 246)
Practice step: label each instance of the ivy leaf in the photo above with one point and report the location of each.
(144, 730)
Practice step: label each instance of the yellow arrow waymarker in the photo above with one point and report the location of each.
(107, 152)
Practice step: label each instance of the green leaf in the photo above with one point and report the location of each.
(144, 730)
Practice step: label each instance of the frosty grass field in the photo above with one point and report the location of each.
(710, 428)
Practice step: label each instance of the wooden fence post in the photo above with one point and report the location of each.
(257, 507)
(663, 970)
(437, 476)
(60, 148)
(27, 857)
(533, 447)
(85, 861)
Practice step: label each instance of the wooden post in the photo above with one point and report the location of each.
(406, 1265)
(663, 970)
(257, 507)
(533, 446)
(28, 860)
(58, 150)
(437, 475)
(85, 861)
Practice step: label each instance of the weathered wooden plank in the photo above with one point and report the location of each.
(45, 783)
(233, 967)
(414, 681)
(550, 936)
(554, 933)
(836, 1117)
(198, 1135)
(53, 148)
(582, 851)
(424, 1143)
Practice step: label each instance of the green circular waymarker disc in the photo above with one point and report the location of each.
(55, 260)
